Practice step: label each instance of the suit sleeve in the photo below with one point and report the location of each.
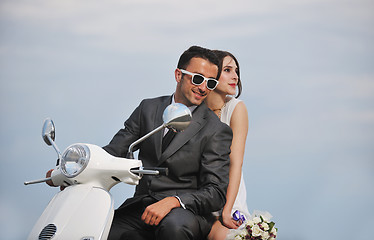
(120, 143)
(213, 176)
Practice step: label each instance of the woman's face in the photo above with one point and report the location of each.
(229, 77)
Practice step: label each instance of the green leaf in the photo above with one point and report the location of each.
(271, 225)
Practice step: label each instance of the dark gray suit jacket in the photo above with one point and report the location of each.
(197, 158)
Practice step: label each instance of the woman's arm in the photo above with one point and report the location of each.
(239, 126)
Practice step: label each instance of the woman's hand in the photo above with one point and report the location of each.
(228, 221)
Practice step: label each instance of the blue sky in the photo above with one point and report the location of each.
(308, 73)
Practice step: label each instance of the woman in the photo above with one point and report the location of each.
(234, 113)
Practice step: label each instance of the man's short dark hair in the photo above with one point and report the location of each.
(200, 52)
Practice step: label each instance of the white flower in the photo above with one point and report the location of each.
(256, 220)
(269, 238)
(250, 223)
(265, 226)
(274, 231)
(243, 232)
(256, 231)
(265, 235)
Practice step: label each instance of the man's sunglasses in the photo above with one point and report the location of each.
(198, 79)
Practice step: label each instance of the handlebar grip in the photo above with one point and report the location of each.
(150, 171)
(161, 171)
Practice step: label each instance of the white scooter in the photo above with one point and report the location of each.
(84, 210)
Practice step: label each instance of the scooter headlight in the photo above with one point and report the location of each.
(74, 160)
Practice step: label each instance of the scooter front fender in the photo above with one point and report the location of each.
(79, 212)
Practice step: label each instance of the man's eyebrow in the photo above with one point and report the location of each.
(206, 76)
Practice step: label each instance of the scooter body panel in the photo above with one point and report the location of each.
(78, 212)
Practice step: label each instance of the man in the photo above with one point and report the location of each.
(176, 206)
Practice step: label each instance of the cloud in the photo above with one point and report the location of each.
(126, 24)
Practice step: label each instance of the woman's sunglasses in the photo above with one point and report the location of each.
(198, 79)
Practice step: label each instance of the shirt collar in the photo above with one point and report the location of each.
(192, 108)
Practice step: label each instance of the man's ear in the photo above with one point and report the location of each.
(178, 75)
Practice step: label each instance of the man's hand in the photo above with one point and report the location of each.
(48, 175)
(154, 213)
(49, 182)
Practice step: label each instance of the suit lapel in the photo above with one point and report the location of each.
(198, 121)
(159, 135)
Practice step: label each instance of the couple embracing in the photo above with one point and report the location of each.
(205, 184)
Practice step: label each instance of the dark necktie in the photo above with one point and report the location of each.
(167, 139)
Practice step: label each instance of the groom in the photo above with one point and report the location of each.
(177, 206)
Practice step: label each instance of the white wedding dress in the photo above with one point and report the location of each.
(241, 199)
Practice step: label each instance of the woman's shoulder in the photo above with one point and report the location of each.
(232, 100)
(232, 103)
(236, 109)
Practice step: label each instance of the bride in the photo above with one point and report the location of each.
(233, 112)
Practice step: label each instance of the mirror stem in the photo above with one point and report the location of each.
(55, 147)
(130, 154)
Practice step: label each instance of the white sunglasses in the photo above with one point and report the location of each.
(198, 79)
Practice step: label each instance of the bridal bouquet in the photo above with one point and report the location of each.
(258, 227)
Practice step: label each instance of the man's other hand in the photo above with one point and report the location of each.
(154, 213)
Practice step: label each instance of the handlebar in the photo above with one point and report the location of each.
(150, 171)
(37, 181)
(138, 171)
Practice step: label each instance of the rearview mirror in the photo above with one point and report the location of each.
(49, 134)
(176, 116)
(48, 131)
